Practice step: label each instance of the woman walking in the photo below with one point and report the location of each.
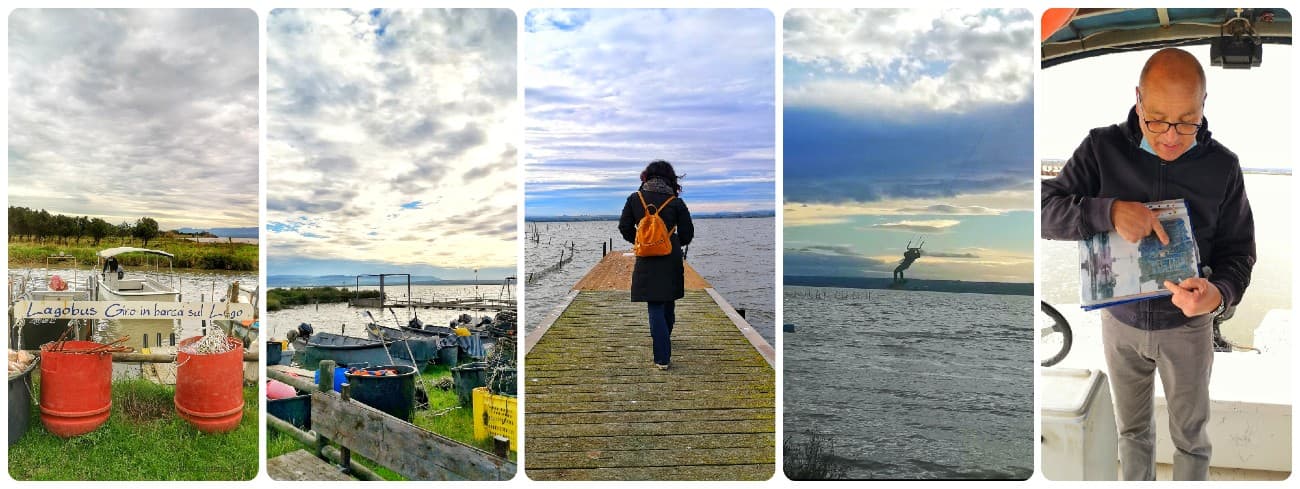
(658, 279)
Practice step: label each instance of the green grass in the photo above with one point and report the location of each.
(456, 424)
(143, 439)
(189, 254)
(277, 299)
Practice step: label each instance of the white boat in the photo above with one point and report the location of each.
(114, 282)
(72, 284)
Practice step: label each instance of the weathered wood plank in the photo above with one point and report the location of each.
(409, 450)
(712, 412)
(753, 472)
(597, 409)
(634, 428)
(566, 409)
(641, 442)
(591, 459)
(654, 388)
(301, 465)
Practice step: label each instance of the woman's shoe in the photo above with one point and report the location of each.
(662, 367)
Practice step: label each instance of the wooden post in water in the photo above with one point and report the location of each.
(324, 383)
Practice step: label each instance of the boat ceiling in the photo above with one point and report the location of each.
(111, 252)
(1074, 34)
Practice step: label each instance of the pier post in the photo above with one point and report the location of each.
(324, 383)
(345, 454)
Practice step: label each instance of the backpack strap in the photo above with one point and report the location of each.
(665, 204)
(658, 208)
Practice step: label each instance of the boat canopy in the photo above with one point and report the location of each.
(111, 252)
(1074, 34)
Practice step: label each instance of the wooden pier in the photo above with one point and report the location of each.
(596, 408)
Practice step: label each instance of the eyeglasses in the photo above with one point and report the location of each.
(1161, 127)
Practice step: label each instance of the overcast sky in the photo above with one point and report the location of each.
(123, 114)
(609, 90)
(909, 124)
(392, 141)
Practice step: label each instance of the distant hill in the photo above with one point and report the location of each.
(351, 280)
(614, 217)
(224, 232)
(956, 286)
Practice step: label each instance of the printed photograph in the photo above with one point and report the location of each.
(133, 244)
(391, 211)
(650, 244)
(908, 246)
(1175, 363)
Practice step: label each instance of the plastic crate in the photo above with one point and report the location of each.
(494, 415)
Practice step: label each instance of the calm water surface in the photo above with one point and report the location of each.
(737, 256)
(913, 385)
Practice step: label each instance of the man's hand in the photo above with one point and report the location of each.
(1195, 296)
(1134, 221)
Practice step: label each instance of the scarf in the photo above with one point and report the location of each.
(657, 184)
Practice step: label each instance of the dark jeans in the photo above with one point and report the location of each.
(662, 318)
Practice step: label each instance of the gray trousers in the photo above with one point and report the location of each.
(1183, 356)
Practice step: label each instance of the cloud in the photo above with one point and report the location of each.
(897, 61)
(831, 260)
(928, 226)
(393, 133)
(609, 90)
(127, 113)
(947, 254)
(973, 204)
(956, 210)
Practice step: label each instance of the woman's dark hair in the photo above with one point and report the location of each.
(664, 170)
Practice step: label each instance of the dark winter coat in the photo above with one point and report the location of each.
(1110, 164)
(658, 278)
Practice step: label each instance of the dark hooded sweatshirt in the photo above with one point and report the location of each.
(1111, 165)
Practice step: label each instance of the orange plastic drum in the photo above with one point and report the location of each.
(210, 388)
(76, 393)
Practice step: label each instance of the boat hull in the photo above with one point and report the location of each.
(351, 351)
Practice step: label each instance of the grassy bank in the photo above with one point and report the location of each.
(445, 416)
(143, 439)
(277, 299)
(189, 254)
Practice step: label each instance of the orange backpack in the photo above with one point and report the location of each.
(652, 235)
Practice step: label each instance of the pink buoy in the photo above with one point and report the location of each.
(279, 390)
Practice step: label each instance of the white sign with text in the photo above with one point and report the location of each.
(132, 310)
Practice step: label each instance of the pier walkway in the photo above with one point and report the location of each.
(598, 409)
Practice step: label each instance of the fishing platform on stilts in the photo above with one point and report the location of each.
(598, 409)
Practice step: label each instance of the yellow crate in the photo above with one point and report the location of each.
(495, 415)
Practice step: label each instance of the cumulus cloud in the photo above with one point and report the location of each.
(392, 136)
(126, 113)
(933, 226)
(903, 60)
(609, 90)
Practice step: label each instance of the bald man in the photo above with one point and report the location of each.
(1162, 151)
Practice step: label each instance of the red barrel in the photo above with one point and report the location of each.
(210, 388)
(76, 393)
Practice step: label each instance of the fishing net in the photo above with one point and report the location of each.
(216, 341)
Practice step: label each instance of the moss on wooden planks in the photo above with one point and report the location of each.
(595, 404)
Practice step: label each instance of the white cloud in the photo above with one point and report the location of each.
(609, 90)
(129, 113)
(898, 60)
(370, 111)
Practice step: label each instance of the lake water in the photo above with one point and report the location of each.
(351, 321)
(913, 385)
(195, 286)
(737, 256)
(1270, 280)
